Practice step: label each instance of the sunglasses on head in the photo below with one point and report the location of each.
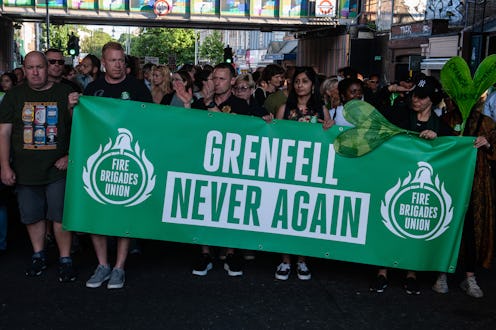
(59, 62)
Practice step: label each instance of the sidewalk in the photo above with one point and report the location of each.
(161, 293)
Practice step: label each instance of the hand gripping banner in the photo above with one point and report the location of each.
(158, 172)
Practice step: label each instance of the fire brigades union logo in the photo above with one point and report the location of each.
(119, 173)
(418, 207)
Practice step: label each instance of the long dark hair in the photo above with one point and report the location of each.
(315, 103)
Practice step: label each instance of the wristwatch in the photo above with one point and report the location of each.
(211, 105)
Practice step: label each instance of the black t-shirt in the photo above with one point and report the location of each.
(233, 105)
(128, 89)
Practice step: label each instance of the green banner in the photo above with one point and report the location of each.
(151, 171)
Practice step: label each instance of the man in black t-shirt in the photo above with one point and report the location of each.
(115, 84)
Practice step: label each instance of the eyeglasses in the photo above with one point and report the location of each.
(242, 88)
(59, 62)
(373, 81)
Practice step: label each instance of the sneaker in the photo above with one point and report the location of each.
(302, 271)
(67, 273)
(117, 279)
(411, 286)
(233, 265)
(441, 285)
(203, 265)
(101, 274)
(283, 271)
(37, 266)
(470, 286)
(379, 284)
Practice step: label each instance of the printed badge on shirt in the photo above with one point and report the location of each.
(40, 125)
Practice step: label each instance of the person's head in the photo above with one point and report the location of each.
(204, 76)
(7, 81)
(69, 72)
(373, 82)
(305, 81)
(90, 66)
(19, 72)
(190, 69)
(132, 66)
(36, 70)
(114, 62)
(147, 71)
(347, 72)
(244, 86)
(223, 77)
(56, 63)
(427, 94)
(350, 89)
(160, 75)
(182, 79)
(329, 90)
(273, 76)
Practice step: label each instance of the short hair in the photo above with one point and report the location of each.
(36, 52)
(148, 67)
(270, 71)
(53, 50)
(246, 77)
(346, 83)
(226, 66)
(112, 45)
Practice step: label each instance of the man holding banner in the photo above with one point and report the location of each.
(115, 84)
(35, 126)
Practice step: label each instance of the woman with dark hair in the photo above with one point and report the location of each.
(304, 104)
(420, 117)
(182, 96)
(89, 70)
(304, 101)
(7, 81)
(203, 79)
(271, 80)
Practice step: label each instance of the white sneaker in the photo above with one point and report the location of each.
(302, 271)
(283, 271)
(441, 285)
(469, 285)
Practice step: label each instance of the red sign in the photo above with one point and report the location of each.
(161, 8)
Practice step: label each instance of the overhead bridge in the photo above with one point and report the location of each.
(264, 15)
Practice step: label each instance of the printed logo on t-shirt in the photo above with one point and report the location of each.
(40, 121)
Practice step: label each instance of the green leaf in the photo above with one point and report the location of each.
(458, 84)
(370, 131)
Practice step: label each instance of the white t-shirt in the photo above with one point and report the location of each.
(337, 115)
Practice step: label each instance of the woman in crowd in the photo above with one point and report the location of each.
(330, 93)
(304, 104)
(348, 89)
(7, 81)
(182, 95)
(161, 82)
(420, 117)
(203, 80)
(477, 244)
(271, 80)
(243, 88)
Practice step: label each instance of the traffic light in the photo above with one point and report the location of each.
(228, 54)
(73, 45)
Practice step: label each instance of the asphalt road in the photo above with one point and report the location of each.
(161, 293)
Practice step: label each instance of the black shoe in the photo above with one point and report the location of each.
(36, 268)
(67, 273)
(411, 286)
(203, 265)
(379, 284)
(233, 265)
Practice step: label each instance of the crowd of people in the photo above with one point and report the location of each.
(35, 124)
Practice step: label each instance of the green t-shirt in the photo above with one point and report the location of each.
(41, 127)
(274, 102)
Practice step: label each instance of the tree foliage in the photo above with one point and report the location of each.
(93, 43)
(165, 42)
(59, 36)
(212, 48)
